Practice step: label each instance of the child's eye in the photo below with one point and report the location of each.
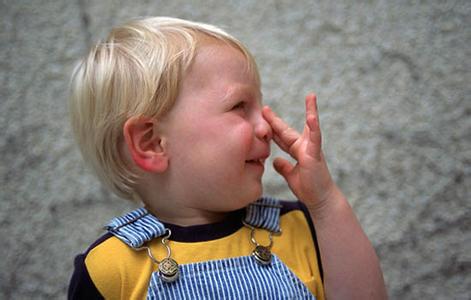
(240, 105)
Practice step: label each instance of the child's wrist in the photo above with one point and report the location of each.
(330, 202)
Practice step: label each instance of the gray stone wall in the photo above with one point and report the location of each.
(393, 80)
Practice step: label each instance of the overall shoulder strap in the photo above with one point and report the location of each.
(136, 228)
(264, 213)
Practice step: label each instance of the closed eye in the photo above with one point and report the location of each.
(240, 105)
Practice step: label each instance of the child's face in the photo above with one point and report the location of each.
(217, 139)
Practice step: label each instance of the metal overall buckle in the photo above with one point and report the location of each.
(261, 253)
(168, 267)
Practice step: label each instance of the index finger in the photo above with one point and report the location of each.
(286, 134)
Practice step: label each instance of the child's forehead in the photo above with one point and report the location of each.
(208, 52)
(226, 67)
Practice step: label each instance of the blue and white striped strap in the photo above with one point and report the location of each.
(136, 227)
(264, 213)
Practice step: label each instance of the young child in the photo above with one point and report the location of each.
(170, 112)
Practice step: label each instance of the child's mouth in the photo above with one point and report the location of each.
(259, 162)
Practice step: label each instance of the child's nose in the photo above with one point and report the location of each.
(263, 130)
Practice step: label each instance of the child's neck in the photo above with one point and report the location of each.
(187, 217)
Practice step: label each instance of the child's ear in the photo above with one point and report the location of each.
(144, 143)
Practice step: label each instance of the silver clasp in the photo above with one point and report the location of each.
(168, 267)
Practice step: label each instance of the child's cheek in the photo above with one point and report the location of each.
(245, 134)
(234, 137)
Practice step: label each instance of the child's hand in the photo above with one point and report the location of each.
(310, 178)
(351, 267)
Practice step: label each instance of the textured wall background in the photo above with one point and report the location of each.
(393, 79)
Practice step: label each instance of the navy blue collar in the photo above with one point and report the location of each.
(207, 232)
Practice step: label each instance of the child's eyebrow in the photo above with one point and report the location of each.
(242, 91)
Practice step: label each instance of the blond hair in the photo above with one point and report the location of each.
(136, 71)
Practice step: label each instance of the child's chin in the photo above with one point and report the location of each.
(256, 195)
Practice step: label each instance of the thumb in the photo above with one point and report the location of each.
(283, 166)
